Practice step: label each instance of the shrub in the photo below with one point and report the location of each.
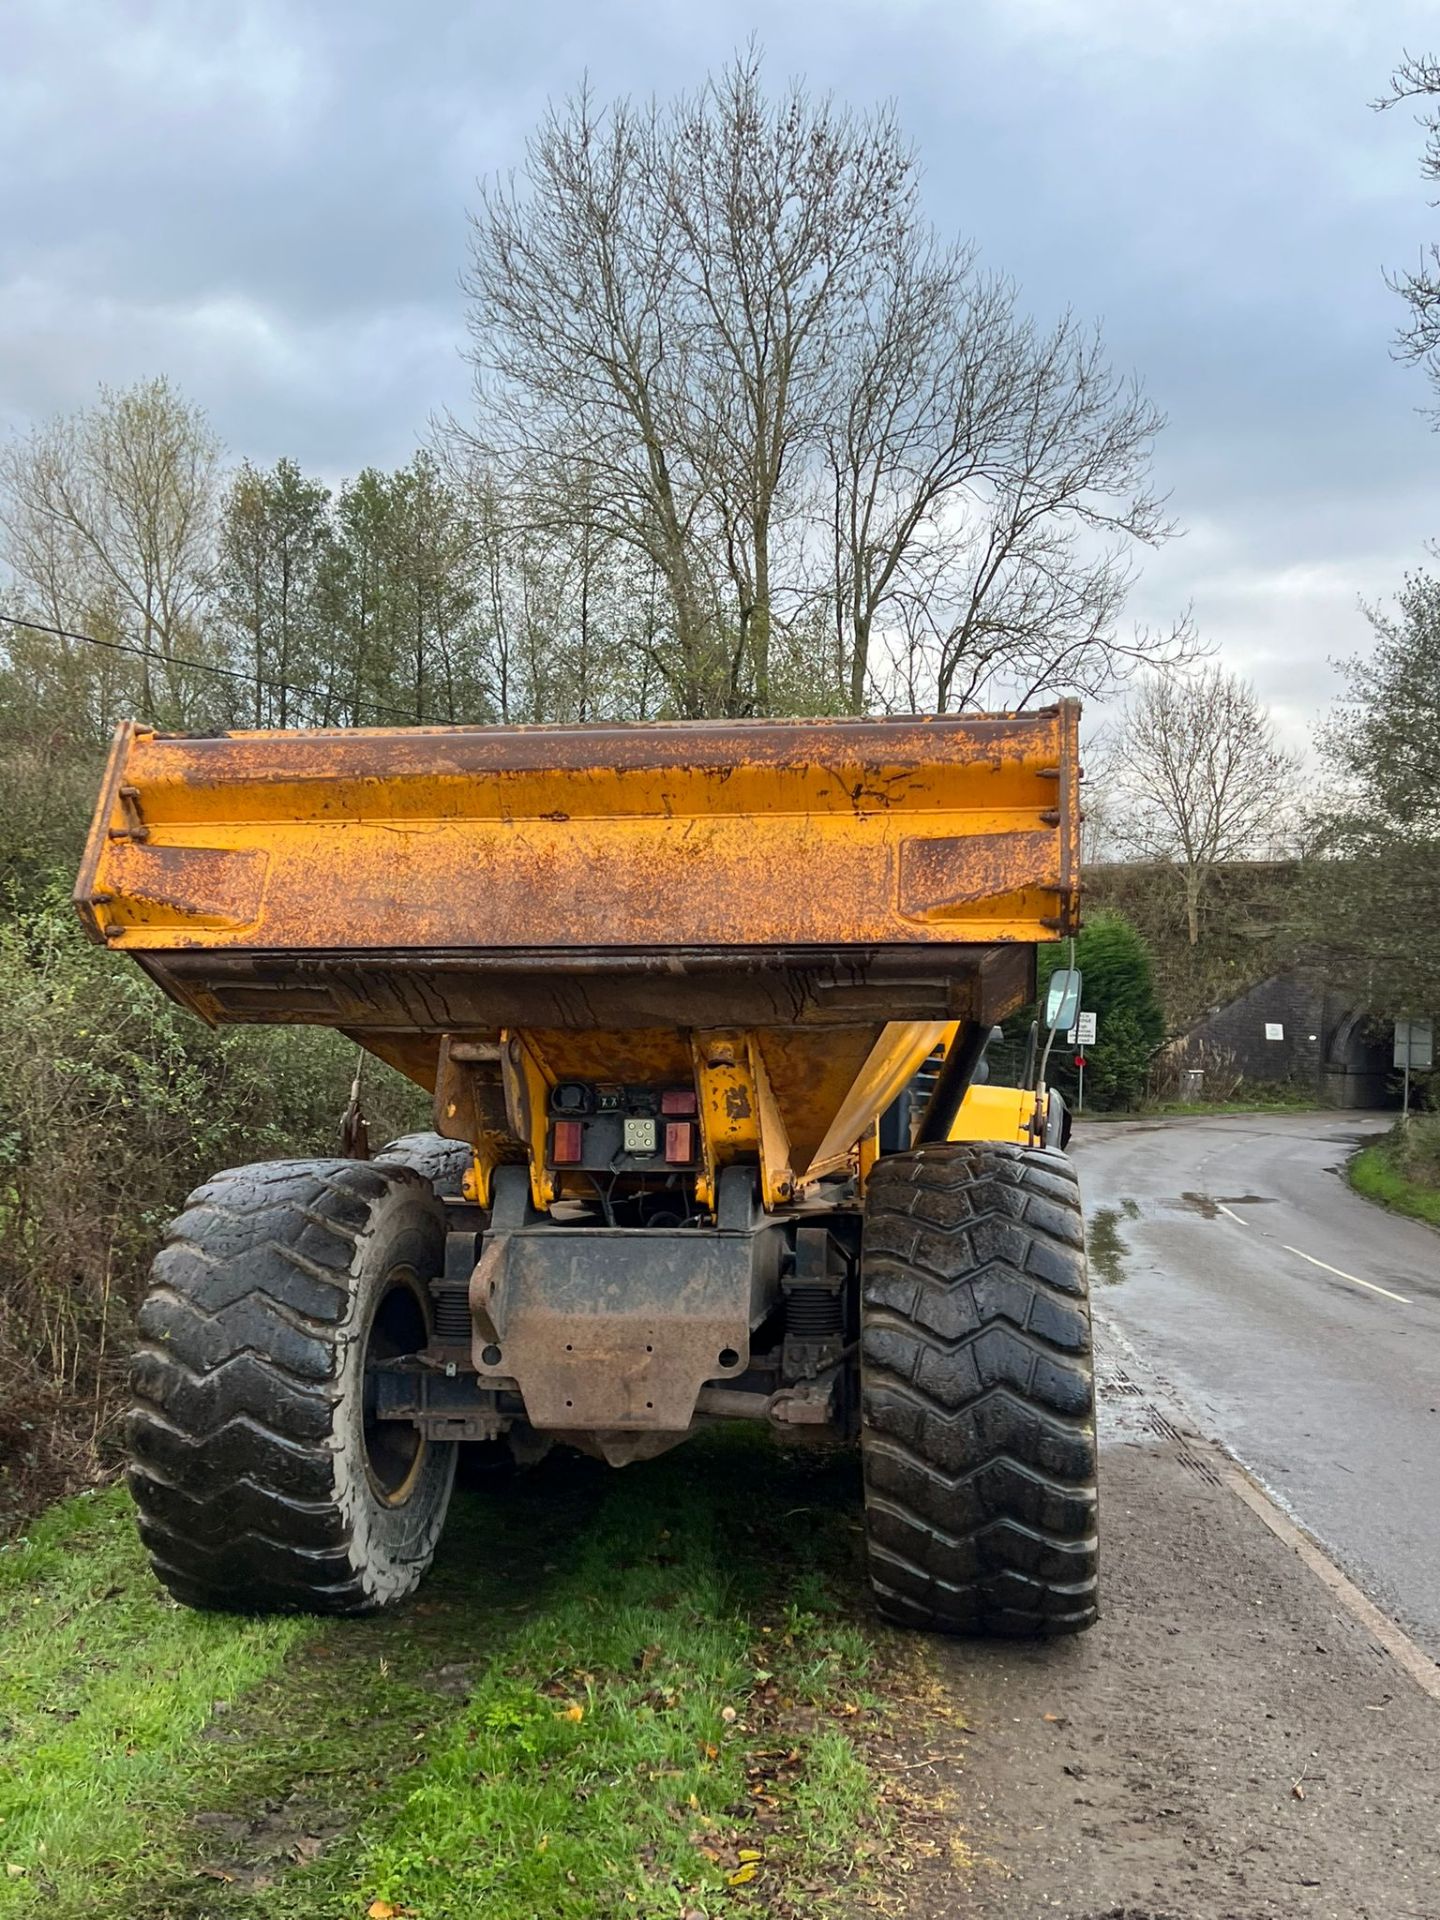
(113, 1104)
(1120, 991)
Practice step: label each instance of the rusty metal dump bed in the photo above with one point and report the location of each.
(367, 864)
(834, 895)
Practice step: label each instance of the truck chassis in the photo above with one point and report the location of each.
(669, 988)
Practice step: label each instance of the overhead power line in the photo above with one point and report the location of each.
(201, 666)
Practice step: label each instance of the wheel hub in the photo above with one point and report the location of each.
(394, 1449)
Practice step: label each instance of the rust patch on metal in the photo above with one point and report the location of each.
(613, 1329)
(187, 888)
(939, 878)
(833, 833)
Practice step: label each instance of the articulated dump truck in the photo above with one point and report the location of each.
(672, 988)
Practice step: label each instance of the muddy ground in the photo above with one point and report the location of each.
(1229, 1743)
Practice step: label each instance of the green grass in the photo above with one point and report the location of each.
(1402, 1171)
(1271, 1101)
(619, 1693)
(103, 1682)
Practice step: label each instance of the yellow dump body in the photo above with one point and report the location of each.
(787, 914)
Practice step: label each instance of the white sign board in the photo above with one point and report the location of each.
(1415, 1044)
(1274, 1030)
(1082, 1034)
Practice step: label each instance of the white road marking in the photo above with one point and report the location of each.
(1353, 1278)
(1231, 1216)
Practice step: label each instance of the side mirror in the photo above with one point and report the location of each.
(1062, 1001)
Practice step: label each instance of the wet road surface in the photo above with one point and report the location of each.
(1300, 1324)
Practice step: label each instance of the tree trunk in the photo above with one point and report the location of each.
(760, 615)
(859, 662)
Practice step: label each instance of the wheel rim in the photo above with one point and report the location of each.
(394, 1449)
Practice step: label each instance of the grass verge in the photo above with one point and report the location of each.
(1198, 1109)
(640, 1693)
(1402, 1170)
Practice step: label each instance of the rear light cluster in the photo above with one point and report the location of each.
(622, 1129)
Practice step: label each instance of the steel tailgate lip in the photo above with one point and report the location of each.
(639, 746)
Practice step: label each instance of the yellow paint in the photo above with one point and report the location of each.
(835, 833)
(527, 1080)
(892, 1063)
(996, 1113)
(739, 1120)
(347, 854)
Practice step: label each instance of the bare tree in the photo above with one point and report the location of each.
(583, 375)
(1023, 586)
(990, 482)
(569, 630)
(726, 325)
(1418, 78)
(1196, 778)
(785, 212)
(113, 508)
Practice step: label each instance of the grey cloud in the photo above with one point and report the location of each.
(268, 202)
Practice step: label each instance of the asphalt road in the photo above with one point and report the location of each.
(1300, 1324)
(1227, 1743)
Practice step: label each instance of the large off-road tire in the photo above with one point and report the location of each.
(444, 1163)
(263, 1482)
(978, 1399)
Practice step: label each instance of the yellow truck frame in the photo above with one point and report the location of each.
(668, 987)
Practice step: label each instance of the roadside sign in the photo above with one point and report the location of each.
(1414, 1052)
(1082, 1034)
(1415, 1044)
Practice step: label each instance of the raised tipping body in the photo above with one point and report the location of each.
(663, 982)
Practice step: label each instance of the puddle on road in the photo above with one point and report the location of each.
(1107, 1250)
(1207, 1205)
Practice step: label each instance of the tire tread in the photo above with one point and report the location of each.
(235, 1387)
(978, 1392)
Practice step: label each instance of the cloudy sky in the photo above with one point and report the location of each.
(266, 200)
